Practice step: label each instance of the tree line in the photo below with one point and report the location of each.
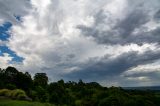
(74, 93)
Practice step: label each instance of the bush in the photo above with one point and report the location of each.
(14, 94)
(17, 93)
(21, 97)
(109, 101)
(78, 103)
(4, 92)
(33, 95)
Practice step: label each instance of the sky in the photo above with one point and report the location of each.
(112, 42)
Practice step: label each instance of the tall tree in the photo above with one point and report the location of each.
(11, 76)
(24, 81)
(40, 79)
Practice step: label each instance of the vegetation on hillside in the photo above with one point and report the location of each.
(14, 83)
(8, 102)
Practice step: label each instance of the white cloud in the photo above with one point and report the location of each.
(142, 69)
(2, 43)
(9, 9)
(4, 60)
(141, 78)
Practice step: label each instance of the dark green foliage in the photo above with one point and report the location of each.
(11, 78)
(11, 86)
(24, 81)
(40, 87)
(41, 94)
(40, 79)
(70, 93)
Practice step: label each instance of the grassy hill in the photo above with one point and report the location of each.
(8, 102)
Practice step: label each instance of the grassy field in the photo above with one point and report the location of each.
(7, 102)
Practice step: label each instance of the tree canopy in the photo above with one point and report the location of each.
(73, 93)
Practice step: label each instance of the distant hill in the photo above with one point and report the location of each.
(154, 88)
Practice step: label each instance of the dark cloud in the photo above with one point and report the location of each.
(147, 74)
(123, 32)
(157, 16)
(133, 20)
(111, 67)
(148, 78)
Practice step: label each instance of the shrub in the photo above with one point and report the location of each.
(21, 97)
(33, 95)
(4, 92)
(17, 93)
(109, 101)
(78, 103)
(14, 94)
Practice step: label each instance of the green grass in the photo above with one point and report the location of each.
(7, 102)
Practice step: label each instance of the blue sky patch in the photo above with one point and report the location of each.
(5, 49)
(4, 35)
(18, 18)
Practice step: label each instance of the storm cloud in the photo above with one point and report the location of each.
(132, 28)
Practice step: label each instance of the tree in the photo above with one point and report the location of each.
(2, 78)
(42, 94)
(24, 81)
(11, 71)
(40, 79)
(10, 75)
(15, 79)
